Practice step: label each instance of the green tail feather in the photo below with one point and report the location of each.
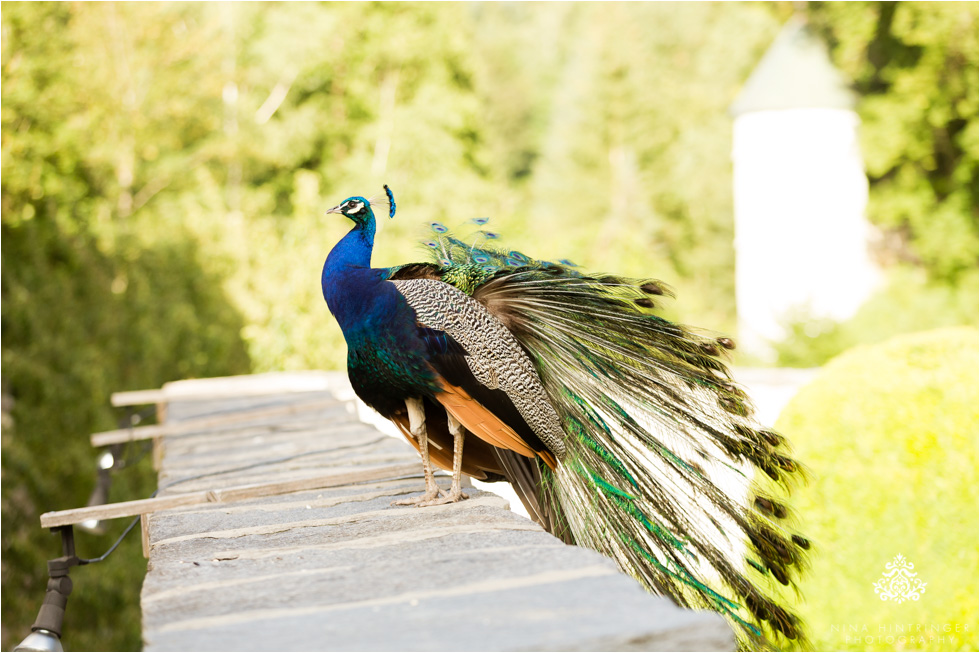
(662, 450)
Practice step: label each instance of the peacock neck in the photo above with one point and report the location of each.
(353, 250)
(348, 280)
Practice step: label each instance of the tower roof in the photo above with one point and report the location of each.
(794, 73)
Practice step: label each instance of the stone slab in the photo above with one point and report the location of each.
(343, 569)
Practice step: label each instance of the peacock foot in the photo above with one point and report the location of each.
(422, 499)
(451, 497)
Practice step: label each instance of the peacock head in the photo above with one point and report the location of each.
(359, 210)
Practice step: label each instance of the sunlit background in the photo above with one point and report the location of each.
(804, 176)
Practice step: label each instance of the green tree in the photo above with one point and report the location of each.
(915, 67)
(102, 290)
(389, 99)
(634, 171)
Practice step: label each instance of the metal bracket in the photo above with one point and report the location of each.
(52, 612)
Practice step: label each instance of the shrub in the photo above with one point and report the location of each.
(890, 434)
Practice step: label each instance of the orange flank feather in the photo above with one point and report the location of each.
(482, 423)
(479, 421)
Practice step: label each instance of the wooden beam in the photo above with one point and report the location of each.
(145, 534)
(117, 436)
(236, 493)
(158, 451)
(105, 438)
(138, 398)
(208, 392)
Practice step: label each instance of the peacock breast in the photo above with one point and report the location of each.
(384, 373)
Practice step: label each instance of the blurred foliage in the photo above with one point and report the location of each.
(79, 324)
(166, 168)
(915, 67)
(481, 110)
(910, 301)
(896, 451)
(102, 290)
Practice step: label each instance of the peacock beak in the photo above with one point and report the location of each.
(335, 209)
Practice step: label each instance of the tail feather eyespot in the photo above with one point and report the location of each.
(710, 349)
(772, 438)
(770, 507)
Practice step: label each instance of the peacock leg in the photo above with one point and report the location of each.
(416, 424)
(455, 493)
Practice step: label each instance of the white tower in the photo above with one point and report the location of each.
(800, 193)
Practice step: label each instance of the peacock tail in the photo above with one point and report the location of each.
(663, 468)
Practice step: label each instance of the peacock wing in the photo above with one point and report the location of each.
(487, 380)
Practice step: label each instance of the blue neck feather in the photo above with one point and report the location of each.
(386, 357)
(354, 291)
(353, 250)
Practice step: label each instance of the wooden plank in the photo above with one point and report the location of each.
(145, 534)
(237, 493)
(230, 387)
(138, 398)
(158, 451)
(105, 438)
(271, 383)
(118, 436)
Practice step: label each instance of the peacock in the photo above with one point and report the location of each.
(619, 430)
